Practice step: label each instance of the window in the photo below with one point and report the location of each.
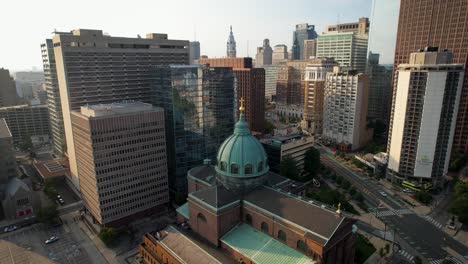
(260, 166)
(234, 168)
(248, 219)
(282, 235)
(222, 166)
(264, 227)
(248, 169)
(201, 217)
(301, 245)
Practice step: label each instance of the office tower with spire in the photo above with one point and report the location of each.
(231, 45)
(302, 32)
(94, 68)
(444, 26)
(422, 125)
(264, 54)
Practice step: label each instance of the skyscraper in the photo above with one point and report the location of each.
(345, 109)
(380, 89)
(302, 32)
(280, 54)
(121, 159)
(314, 88)
(271, 78)
(445, 27)
(54, 103)
(361, 27)
(199, 115)
(264, 54)
(250, 85)
(231, 46)
(8, 95)
(194, 51)
(94, 68)
(427, 96)
(310, 48)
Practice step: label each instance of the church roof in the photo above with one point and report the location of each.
(318, 223)
(216, 197)
(14, 185)
(260, 248)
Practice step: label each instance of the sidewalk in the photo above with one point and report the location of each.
(107, 253)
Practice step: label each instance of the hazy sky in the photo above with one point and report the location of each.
(26, 23)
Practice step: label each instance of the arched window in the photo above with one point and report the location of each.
(234, 168)
(301, 245)
(248, 169)
(282, 235)
(248, 219)
(260, 166)
(201, 217)
(222, 165)
(264, 227)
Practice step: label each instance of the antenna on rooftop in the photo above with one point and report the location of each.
(194, 32)
(248, 48)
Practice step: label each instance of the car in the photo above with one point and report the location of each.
(10, 229)
(406, 190)
(51, 240)
(384, 194)
(59, 197)
(61, 201)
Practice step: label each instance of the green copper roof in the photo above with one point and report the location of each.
(184, 210)
(241, 155)
(261, 248)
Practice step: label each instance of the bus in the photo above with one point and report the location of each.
(427, 186)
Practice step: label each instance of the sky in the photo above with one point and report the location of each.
(27, 23)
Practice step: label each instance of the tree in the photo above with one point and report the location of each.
(312, 162)
(358, 197)
(108, 235)
(288, 168)
(269, 127)
(47, 214)
(459, 206)
(417, 260)
(339, 179)
(424, 197)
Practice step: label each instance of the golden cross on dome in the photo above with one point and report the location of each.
(241, 108)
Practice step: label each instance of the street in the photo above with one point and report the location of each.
(423, 236)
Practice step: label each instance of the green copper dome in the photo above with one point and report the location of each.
(241, 155)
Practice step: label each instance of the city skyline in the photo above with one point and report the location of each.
(269, 22)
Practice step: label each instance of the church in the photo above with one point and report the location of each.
(237, 208)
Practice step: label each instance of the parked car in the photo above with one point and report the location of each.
(51, 240)
(10, 229)
(61, 201)
(384, 194)
(406, 190)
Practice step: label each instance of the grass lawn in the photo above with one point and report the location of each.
(364, 249)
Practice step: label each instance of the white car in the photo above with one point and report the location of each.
(406, 190)
(51, 240)
(384, 194)
(10, 229)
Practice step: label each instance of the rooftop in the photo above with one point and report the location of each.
(262, 248)
(118, 108)
(13, 254)
(4, 130)
(216, 196)
(297, 211)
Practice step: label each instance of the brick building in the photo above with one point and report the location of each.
(253, 215)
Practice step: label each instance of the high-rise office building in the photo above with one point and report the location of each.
(271, 78)
(8, 95)
(250, 85)
(361, 27)
(94, 68)
(121, 159)
(7, 156)
(349, 49)
(302, 32)
(427, 95)
(231, 45)
(264, 54)
(199, 114)
(54, 103)
(194, 51)
(439, 24)
(314, 88)
(310, 48)
(380, 89)
(280, 54)
(28, 123)
(345, 109)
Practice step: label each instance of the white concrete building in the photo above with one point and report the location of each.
(424, 111)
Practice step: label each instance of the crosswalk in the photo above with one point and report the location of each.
(406, 255)
(450, 259)
(393, 212)
(433, 221)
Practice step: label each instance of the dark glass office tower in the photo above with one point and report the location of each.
(302, 32)
(199, 113)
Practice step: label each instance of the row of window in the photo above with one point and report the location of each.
(234, 168)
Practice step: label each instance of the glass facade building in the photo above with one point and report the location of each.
(199, 115)
(302, 32)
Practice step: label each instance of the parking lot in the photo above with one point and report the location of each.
(66, 250)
